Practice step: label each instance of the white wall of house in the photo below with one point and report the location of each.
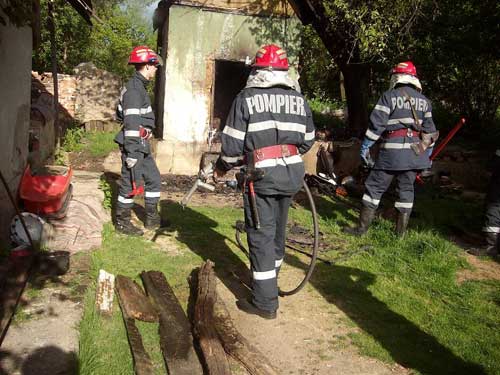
(196, 38)
(15, 91)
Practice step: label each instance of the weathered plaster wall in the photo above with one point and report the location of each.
(15, 85)
(197, 37)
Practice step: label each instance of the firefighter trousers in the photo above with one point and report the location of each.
(378, 182)
(145, 170)
(492, 219)
(267, 246)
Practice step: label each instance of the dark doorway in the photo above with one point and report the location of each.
(230, 78)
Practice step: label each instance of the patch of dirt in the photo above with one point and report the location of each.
(84, 161)
(45, 342)
(482, 270)
(309, 337)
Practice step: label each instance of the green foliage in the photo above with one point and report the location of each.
(73, 139)
(100, 144)
(107, 189)
(72, 38)
(459, 54)
(323, 115)
(112, 41)
(18, 12)
(106, 44)
(59, 156)
(319, 75)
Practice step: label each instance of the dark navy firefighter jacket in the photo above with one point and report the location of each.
(261, 117)
(393, 112)
(134, 109)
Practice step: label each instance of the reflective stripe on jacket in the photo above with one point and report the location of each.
(134, 108)
(393, 112)
(261, 117)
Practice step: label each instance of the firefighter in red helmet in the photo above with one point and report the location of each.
(134, 110)
(402, 123)
(268, 128)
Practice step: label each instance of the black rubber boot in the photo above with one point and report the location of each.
(492, 248)
(402, 223)
(123, 224)
(248, 307)
(365, 219)
(153, 219)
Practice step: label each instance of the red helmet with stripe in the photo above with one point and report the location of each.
(405, 67)
(271, 56)
(144, 55)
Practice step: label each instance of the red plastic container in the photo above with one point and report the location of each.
(46, 191)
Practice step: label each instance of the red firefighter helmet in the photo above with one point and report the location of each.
(271, 56)
(405, 67)
(144, 55)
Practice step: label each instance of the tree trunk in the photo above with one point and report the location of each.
(356, 78)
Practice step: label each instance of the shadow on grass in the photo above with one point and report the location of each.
(348, 289)
(198, 233)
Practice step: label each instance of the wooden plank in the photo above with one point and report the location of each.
(105, 292)
(16, 274)
(238, 346)
(133, 302)
(176, 340)
(204, 328)
(142, 361)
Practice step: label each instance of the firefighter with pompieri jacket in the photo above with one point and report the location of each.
(402, 122)
(268, 128)
(134, 110)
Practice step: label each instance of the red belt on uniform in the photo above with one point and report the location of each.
(401, 133)
(273, 152)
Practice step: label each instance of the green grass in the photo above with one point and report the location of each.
(401, 294)
(99, 144)
(103, 341)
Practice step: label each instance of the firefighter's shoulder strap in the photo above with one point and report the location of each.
(418, 127)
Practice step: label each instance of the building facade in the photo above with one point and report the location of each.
(207, 50)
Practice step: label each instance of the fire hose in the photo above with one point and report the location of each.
(206, 171)
(240, 228)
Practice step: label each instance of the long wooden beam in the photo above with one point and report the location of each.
(176, 340)
(204, 328)
(238, 346)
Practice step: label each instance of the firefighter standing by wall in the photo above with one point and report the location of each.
(269, 126)
(134, 109)
(403, 119)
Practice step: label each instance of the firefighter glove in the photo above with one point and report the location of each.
(365, 153)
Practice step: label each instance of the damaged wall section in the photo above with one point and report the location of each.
(197, 39)
(15, 81)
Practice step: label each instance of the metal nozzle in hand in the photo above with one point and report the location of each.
(206, 171)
